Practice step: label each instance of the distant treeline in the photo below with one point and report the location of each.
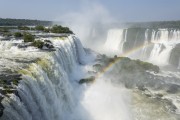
(160, 24)
(23, 22)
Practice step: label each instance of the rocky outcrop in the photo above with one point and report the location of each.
(175, 56)
(87, 80)
(8, 83)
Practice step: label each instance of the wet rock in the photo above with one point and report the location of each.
(1, 106)
(142, 88)
(87, 80)
(98, 67)
(169, 105)
(173, 89)
(10, 77)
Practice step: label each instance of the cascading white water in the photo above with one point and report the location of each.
(114, 40)
(164, 41)
(49, 88)
(45, 91)
(160, 54)
(157, 43)
(123, 41)
(145, 47)
(179, 64)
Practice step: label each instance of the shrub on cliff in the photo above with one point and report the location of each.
(60, 29)
(3, 29)
(28, 37)
(40, 28)
(148, 66)
(38, 44)
(47, 30)
(131, 66)
(7, 34)
(17, 34)
(23, 28)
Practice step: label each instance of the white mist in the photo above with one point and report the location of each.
(104, 101)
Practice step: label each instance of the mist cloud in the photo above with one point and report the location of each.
(88, 21)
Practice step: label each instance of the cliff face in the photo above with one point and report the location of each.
(175, 56)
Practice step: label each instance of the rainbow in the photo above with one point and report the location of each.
(122, 55)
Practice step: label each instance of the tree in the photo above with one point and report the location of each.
(60, 29)
(17, 34)
(28, 37)
(40, 28)
(23, 28)
(38, 44)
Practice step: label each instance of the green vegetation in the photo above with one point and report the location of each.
(9, 91)
(45, 64)
(60, 29)
(15, 82)
(23, 22)
(156, 24)
(54, 29)
(136, 65)
(25, 71)
(18, 34)
(7, 34)
(4, 29)
(38, 44)
(23, 28)
(2, 82)
(40, 28)
(47, 30)
(147, 66)
(128, 65)
(28, 37)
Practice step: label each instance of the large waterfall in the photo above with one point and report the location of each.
(47, 89)
(154, 45)
(115, 40)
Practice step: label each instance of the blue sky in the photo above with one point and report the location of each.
(121, 10)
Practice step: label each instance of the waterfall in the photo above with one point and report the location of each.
(114, 40)
(46, 91)
(145, 47)
(164, 41)
(124, 39)
(160, 54)
(157, 44)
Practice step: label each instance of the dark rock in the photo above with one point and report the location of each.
(173, 89)
(47, 41)
(10, 77)
(87, 80)
(1, 106)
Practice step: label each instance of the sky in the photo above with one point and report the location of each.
(119, 10)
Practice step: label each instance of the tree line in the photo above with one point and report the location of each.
(23, 22)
